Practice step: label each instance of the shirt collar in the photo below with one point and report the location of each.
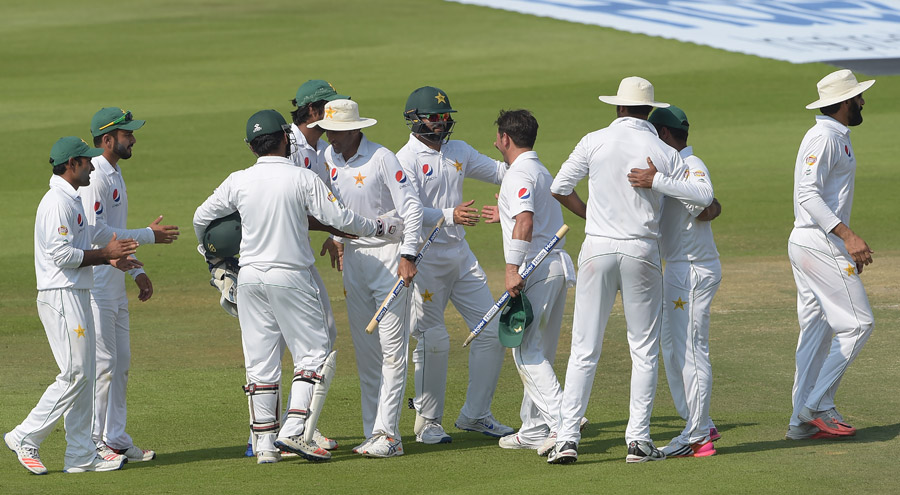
(420, 147)
(64, 186)
(365, 148)
(686, 151)
(635, 123)
(527, 155)
(101, 163)
(273, 159)
(834, 124)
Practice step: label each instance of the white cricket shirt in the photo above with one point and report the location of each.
(61, 235)
(682, 236)
(304, 155)
(372, 181)
(615, 209)
(273, 198)
(438, 178)
(526, 187)
(824, 176)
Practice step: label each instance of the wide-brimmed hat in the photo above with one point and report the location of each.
(342, 115)
(514, 320)
(633, 92)
(838, 86)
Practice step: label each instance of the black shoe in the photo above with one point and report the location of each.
(566, 453)
(641, 451)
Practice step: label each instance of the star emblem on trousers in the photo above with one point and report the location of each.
(79, 332)
(679, 304)
(426, 296)
(851, 270)
(359, 179)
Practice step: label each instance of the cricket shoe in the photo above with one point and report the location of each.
(107, 453)
(433, 433)
(703, 448)
(643, 451)
(827, 421)
(362, 446)
(136, 454)
(564, 453)
(550, 441)
(323, 441)
(383, 446)
(514, 441)
(98, 464)
(297, 445)
(268, 457)
(28, 456)
(714, 434)
(487, 425)
(807, 432)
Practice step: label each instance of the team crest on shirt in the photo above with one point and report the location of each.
(63, 230)
(400, 176)
(306, 161)
(80, 220)
(98, 208)
(333, 174)
(524, 193)
(116, 196)
(811, 160)
(428, 170)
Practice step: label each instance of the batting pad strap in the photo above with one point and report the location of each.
(296, 413)
(516, 251)
(309, 376)
(260, 388)
(261, 428)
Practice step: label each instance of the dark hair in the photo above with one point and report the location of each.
(59, 169)
(638, 110)
(519, 125)
(831, 109)
(267, 144)
(300, 115)
(678, 134)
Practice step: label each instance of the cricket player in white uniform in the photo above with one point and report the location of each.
(449, 272)
(827, 258)
(367, 177)
(529, 218)
(277, 297)
(105, 204)
(62, 264)
(620, 252)
(692, 277)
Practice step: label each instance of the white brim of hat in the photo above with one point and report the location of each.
(824, 102)
(618, 101)
(337, 125)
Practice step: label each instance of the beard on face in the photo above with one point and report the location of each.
(856, 117)
(120, 149)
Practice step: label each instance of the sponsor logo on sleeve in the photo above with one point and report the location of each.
(524, 193)
(116, 196)
(80, 220)
(98, 208)
(811, 160)
(847, 150)
(699, 173)
(428, 170)
(400, 176)
(333, 174)
(306, 161)
(63, 230)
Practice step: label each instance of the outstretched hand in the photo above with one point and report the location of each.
(490, 213)
(163, 234)
(465, 215)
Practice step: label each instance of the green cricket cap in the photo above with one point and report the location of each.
(314, 90)
(671, 116)
(265, 122)
(514, 320)
(71, 147)
(111, 118)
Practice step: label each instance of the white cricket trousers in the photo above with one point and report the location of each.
(834, 314)
(545, 289)
(381, 357)
(275, 304)
(606, 266)
(66, 316)
(689, 288)
(111, 321)
(450, 273)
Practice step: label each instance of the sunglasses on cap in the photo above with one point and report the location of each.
(126, 117)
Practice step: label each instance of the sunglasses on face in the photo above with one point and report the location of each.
(126, 117)
(436, 117)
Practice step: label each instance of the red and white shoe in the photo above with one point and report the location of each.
(28, 456)
(136, 454)
(107, 453)
(827, 422)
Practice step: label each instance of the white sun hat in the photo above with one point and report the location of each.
(342, 115)
(838, 86)
(633, 92)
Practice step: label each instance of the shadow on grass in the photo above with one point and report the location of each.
(869, 434)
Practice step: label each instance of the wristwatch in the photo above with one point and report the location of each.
(408, 257)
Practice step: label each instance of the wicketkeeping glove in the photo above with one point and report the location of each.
(390, 227)
(223, 274)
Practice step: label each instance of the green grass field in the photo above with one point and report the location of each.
(197, 70)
